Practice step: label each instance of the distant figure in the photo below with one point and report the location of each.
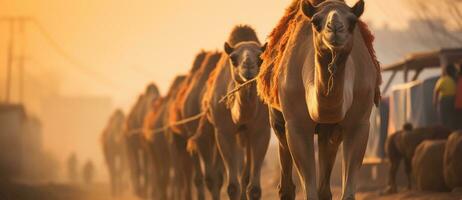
(72, 168)
(458, 103)
(443, 96)
(88, 172)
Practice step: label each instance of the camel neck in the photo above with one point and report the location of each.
(329, 68)
(245, 104)
(329, 106)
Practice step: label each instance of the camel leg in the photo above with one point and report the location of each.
(245, 175)
(328, 145)
(354, 147)
(135, 170)
(300, 138)
(219, 171)
(395, 158)
(188, 175)
(118, 168)
(160, 177)
(187, 168)
(286, 185)
(227, 144)
(146, 169)
(177, 163)
(258, 145)
(112, 172)
(408, 170)
(206, 152)
(198, 177)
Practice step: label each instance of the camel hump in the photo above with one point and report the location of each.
(242, 33)
(152, 89)
(198, 60)
(427, 166)
(453, 161)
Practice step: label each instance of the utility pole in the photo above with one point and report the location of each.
(9, 59)
(10, 54)
(22, 56)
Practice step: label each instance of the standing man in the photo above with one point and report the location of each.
(444, 95)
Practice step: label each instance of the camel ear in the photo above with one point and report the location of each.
(228, 48)
(358, 8)
(263, 48)
(308, 9)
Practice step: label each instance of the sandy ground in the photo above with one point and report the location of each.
(51, 191)
(269, 180)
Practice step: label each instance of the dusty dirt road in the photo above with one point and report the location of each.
(50, 191)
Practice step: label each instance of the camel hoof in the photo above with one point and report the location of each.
(254, 192)
(287, 192)
(287, 196)
(350, 197)
(388, 190)
(233, 191)
(325, 196)
(209, 182)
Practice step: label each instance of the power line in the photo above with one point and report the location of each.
(71, 59)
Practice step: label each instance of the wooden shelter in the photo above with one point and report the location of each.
(417, 62)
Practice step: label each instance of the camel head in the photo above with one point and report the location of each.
(152, 90)
(245, 60)
(118, 116)
(333, 23)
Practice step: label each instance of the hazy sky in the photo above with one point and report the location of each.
(130, 43)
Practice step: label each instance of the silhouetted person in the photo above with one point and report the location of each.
(443, 96)
(72, 168)
(88, 172)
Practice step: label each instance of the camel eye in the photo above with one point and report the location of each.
(316, 22)
(352, 22)
(234, 60)
(259, 62)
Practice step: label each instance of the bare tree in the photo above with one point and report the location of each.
(443, 19)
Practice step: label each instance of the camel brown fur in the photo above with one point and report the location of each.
(157, 142)
(453, 161)
(241, 124)
(175, 108)
(401, 146)
(179, 134)
(188, 102)
(189, 105)
(427, 166)
(114, 152)
(319, 76)
(136, 149)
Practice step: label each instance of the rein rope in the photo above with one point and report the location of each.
(194, 117)
(332, 68)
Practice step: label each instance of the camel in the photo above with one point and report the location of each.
(136, 149)
(114, 151)
(188, 102)
(157, 142)
(402, 145)
(320, 75)
(179, 135)
(427, 166)
(243, 120)
(453, 161)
